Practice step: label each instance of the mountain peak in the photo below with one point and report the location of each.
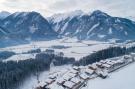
(99, 13)
(23, 14)
(4, 14)
(63, 16)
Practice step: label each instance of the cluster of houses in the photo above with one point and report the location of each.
(77, 76)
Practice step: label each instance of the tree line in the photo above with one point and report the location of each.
(104, 54)
(13, 73)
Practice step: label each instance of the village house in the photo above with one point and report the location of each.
(93, 66)
(98, 64)
(102, 74)
(76, 68)
(89, 71)
(75, 80)
(61, 81)
(74, 71)
(49, 81)
(133, 56)
(69, 84)
(106, 66)
(53, 76)
(39, 87)
(84, 76)
(61, 54)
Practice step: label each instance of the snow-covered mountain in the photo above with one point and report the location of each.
(4, 14)
(28, 25)
(95, 26)
(3, 32)
(85, 26)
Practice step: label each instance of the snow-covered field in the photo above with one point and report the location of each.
(121, 79)
(32, 81)
(75, 48)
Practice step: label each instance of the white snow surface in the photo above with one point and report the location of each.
(76, 49)
(121, 79)
(32, 82)
(62, 16)
(20, 57)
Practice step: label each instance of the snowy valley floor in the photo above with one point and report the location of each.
(120, 79)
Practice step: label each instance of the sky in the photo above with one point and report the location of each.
(49, 7)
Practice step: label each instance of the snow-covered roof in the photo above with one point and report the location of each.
(73, 71)
(53, 76)
(69, 84)
(68, 76)
(75, 80)
(106, 65)
(93, 66)
(89, 71)
(98, 63)
(84, 76)
(102, 61)
(61, 80)
(49, 81)
(110, 62)
(75, 67)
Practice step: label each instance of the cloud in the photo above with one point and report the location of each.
(49, 7)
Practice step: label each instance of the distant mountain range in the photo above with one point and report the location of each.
(84, 26)
(93, 26)
(27, 26)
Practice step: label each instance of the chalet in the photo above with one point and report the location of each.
(61, 81)
(93, 66)
(98, 64)
(39, 87)
(84, 76)
(127, 57)
(110, 63)
(45, 85)
(102, 61)
(53, 76)
(49, 81)
(102, 74)
(89, 71)
(133, 56)
(76, 68)
(69, 84)
(74, 71)
(71, 74)
(68, 76)
(75, 80)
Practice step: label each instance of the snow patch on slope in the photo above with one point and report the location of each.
(92, 28)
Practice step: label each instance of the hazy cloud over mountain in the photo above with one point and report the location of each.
(49, 7)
